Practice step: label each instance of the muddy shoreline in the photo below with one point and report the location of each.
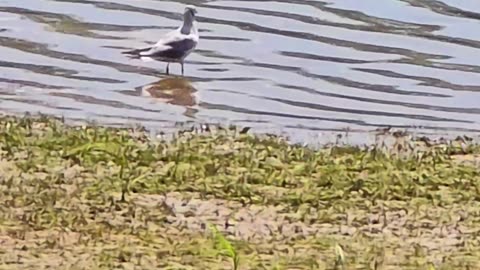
(90, 197)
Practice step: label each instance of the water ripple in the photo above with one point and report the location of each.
(291, 65)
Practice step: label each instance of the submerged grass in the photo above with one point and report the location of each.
(102, 198)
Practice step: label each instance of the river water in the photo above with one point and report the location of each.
(295, 67)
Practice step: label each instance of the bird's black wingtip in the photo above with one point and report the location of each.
(136, 51)
(133, 54)
(130, 52)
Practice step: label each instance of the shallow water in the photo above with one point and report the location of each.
(298, 67)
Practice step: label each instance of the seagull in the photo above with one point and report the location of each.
(174, 46)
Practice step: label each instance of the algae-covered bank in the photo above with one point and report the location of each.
(104, 198)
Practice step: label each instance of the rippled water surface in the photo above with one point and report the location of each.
(300, 67)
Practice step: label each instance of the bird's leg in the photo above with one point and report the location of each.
(167, 68)
(182, 67)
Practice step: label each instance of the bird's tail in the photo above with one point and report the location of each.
(136, 52)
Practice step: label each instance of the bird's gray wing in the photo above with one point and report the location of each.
(160, 45)
(171, 49)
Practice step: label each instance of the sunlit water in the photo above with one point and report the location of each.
(302, 68)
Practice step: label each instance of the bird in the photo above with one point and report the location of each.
(174, 46)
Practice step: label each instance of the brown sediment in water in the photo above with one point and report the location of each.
(175, 90)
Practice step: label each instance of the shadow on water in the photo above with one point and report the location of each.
(300, 65)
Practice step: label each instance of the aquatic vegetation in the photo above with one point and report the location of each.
(89, 197)
(225, 248)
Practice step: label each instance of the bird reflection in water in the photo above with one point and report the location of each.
(174, 90)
